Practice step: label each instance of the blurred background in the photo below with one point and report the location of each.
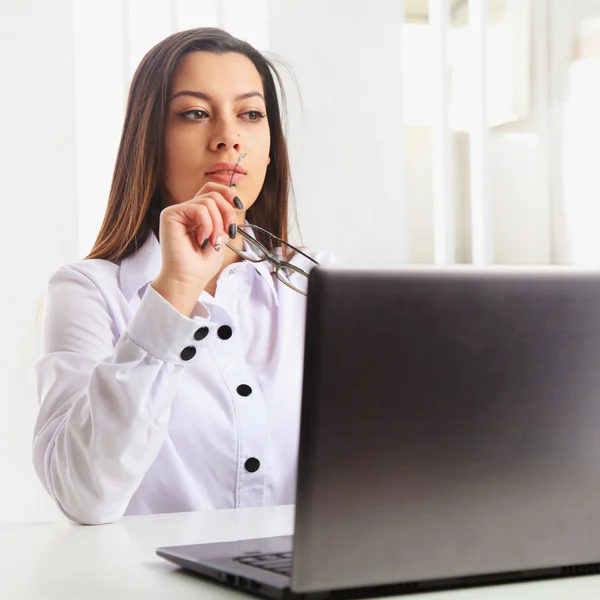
(423, 132)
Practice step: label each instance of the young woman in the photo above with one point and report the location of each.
(170, 375)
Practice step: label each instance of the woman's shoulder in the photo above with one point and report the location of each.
(94, 280)
(103, 273)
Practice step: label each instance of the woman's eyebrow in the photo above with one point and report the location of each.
(208, 98)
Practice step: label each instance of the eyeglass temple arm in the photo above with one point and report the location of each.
(246, 235)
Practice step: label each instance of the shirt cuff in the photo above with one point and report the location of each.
(163, 332)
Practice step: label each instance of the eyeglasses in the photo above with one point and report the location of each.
(285, 271)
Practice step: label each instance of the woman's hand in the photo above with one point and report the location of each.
(192, 242)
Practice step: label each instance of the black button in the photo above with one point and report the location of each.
(201, 333)
(188, 353)
(244, 390)
(224, 332)
(252, 465)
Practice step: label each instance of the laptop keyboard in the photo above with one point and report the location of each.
(280, 563)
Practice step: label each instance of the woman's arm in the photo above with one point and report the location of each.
(105, 402)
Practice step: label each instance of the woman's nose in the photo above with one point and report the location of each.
(226, 136)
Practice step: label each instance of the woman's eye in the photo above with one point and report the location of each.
(253, 115)
(194, 115)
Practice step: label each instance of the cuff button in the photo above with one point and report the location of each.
(188, 353)
(201, 333)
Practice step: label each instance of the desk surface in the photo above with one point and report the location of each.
(58, 560)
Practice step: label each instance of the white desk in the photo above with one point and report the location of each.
(60, 561)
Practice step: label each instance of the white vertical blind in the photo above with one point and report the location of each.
(401, 173)
(481, 226)
(442, 163)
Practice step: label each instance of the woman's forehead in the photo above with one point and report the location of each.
(228, 73)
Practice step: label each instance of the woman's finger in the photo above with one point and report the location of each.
(217, 220)
(200, 222)
(228, 193)
(227, 212)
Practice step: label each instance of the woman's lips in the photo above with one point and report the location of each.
(224, 177)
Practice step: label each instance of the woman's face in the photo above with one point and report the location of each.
(216, 111)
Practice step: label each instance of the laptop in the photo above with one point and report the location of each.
(450, 436)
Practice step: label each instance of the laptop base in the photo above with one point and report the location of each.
(259, 582)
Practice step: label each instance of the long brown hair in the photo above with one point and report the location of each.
(135, 201)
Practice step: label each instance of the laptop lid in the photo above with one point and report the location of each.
(450, 425)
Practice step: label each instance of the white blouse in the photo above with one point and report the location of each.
(144, 410)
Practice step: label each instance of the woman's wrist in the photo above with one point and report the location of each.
(182, 296)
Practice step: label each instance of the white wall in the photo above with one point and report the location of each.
(346, 140)
(38, 224)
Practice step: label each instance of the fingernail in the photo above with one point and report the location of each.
(238, 203)
(218, 244)
(204, 244)
(232, 231)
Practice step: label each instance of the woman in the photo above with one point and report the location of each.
(170, 375)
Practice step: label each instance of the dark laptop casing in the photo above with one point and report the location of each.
(450, 430)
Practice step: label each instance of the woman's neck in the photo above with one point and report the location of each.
(230, 258)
